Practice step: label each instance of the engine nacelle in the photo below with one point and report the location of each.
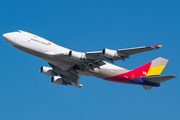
(46, 70)
(57, 80)
(76, 55)
(109, 53)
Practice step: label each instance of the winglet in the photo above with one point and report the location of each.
(80, 85)
(157, 46)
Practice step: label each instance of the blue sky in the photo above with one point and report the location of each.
(89, 25)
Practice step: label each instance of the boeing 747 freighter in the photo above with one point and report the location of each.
(66, 66)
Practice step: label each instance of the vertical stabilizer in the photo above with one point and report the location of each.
(153, 68)
(157, 66)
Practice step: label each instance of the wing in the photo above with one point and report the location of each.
(68, 77)
(96, 59)
(121, 54)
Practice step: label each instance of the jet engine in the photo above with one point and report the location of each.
(57, 80)
(76, 55)
(46, 70)
(109, 53)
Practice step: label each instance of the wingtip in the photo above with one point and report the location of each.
(80, 85)
(157, 46)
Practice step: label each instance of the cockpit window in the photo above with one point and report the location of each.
(18, 31)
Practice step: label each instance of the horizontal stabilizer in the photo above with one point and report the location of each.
(158, 79)
(146, 87)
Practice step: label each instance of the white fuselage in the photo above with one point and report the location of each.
(42, 48)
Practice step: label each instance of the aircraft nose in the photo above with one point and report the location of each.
(4, 36)
(9, 37)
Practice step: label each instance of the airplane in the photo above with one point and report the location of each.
(66, 66)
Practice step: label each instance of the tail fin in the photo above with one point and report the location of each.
(157, 66)
(153, 68)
